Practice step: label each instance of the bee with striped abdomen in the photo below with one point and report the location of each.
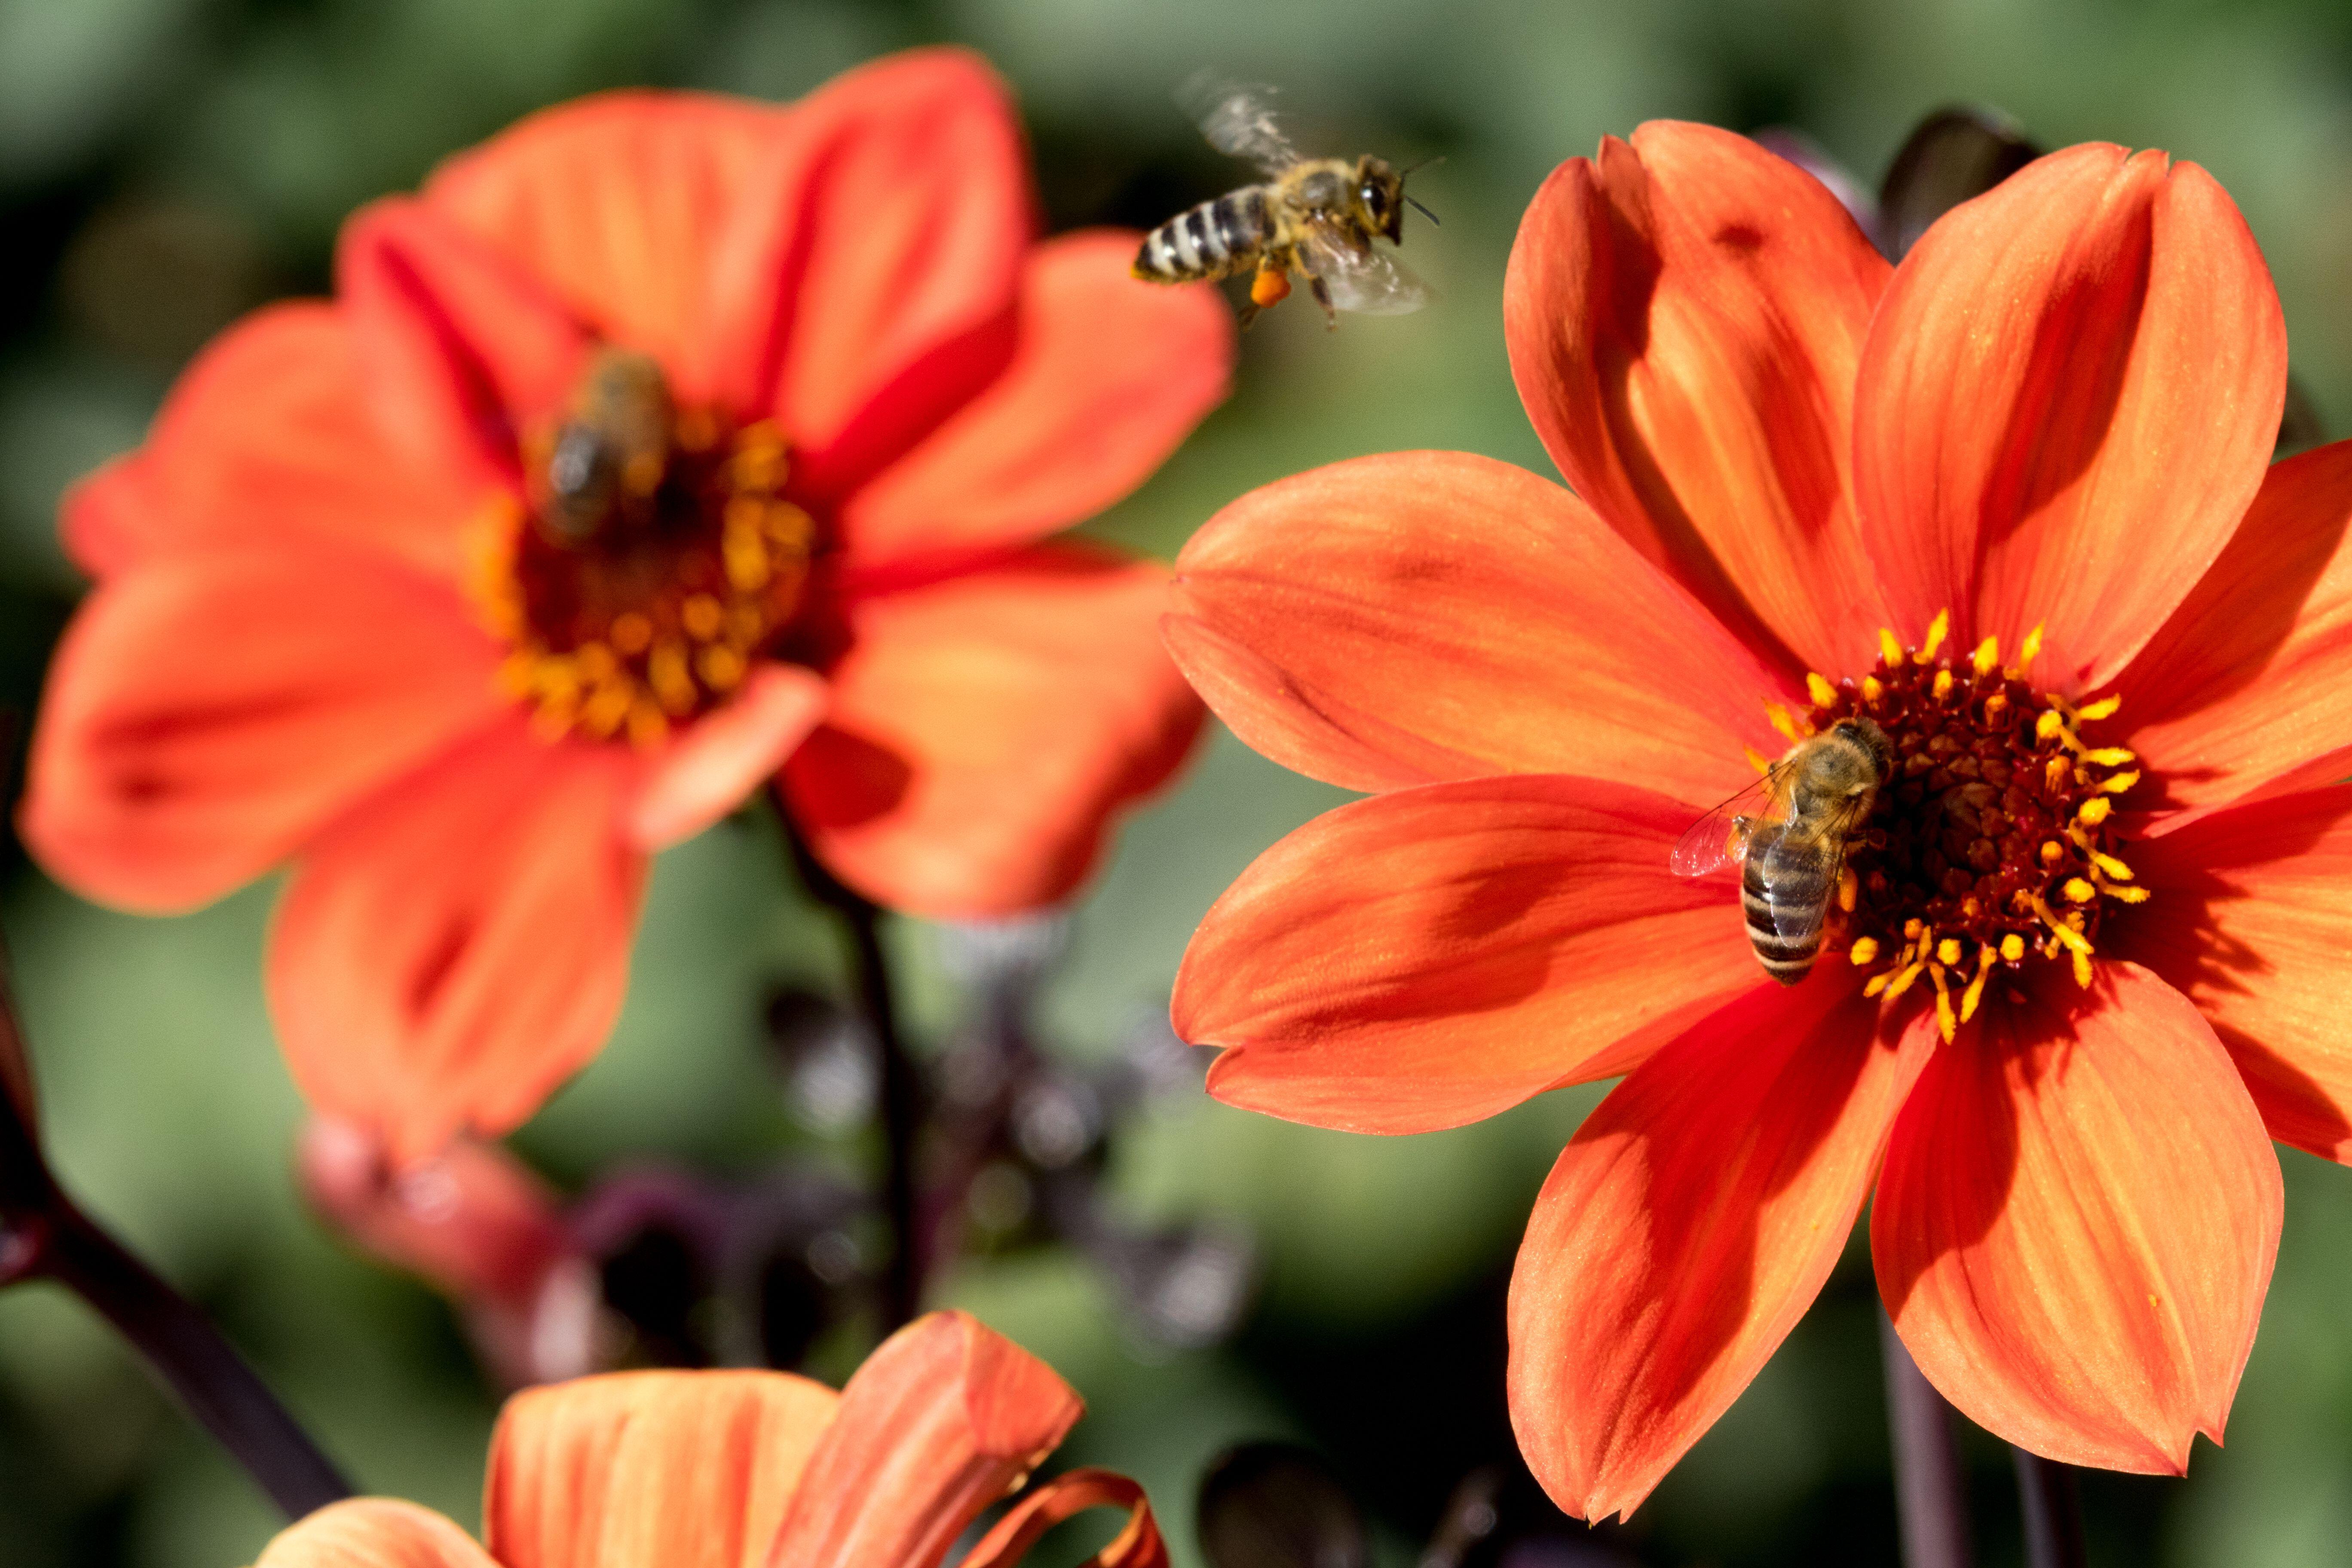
(1315, 215)
(1792, 854)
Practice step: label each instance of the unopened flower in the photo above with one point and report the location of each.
(662, 442)
(750, 1469)
(2012, 503)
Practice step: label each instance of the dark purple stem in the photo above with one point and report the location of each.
(901, 1088)
(1930, 1496)
(43, 1235)
(2052, 1507)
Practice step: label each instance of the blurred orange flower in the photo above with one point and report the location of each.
(760, 1470)
(2092, 943)
(663, 441)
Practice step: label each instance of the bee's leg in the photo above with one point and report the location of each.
(1323, 298)
(1248, 313)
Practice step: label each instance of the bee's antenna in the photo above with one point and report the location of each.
(1423, 211)
(1433, 158)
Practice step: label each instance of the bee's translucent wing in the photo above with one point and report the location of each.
(1720, 838)
(1238, 118)
(1361, 277)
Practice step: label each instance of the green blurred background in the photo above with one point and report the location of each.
(166, 164)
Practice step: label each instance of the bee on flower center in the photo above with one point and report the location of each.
(651, 556)
(1316, 216)
(1932, 819)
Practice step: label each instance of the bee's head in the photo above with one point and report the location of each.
(1379, 197)
(1871, 739)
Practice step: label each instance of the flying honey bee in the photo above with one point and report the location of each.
(608, 454)
(1791, 854)
(1315, 215)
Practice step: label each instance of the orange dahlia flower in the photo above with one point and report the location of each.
(2089, 945)
(661, 442)
(760, 1469)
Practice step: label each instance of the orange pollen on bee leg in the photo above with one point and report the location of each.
(651, 613)
(1270, 287)
(1991, 842)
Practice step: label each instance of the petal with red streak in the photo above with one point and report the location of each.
(653, 216)
(901, 250)
(684, 1469)
(2251, 916)
(2068, 399)
(267, 438)
(457, 945)
(208, 713)
(1686, 1227)
(373, 1532)
(1426, 958)
(727, 755)
(2076, 1222)
(460, 350)
(944, 1419)
(983, 730)
(1685, 316)
(1424, 616)
(1107, 381)
(2252, 675)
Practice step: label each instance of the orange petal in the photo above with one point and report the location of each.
(945, 1418)
(727, 755)
(373, 1532)
(2076, 1222)
(653, 216)
(208, 713)
(651, 1469)
(2069, 398)
(267, 438)
(1426, 958)
(1137, 1545)
(983, 729)
(901, 253)
(1687, 1227)
(1684, 318)
(1107, 381)
(1424, 616)
(2252, 675)
(459, 350)
(2251, 917)
(457, 945)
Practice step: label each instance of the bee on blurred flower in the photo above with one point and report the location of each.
(1792, 857)
(611, 451)
(1317, 215)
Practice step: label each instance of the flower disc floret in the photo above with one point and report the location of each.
(1989, 842)
(653, 611)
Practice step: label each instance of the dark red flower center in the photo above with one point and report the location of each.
(651, 558)
(1988, 844)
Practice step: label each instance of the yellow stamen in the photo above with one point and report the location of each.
(1864, 951)
(2078, 891)
(2126, 895)
(2012, 948)
(1942, 686)
(2111, 866)
(1757, 759)
(1986, 656)
(666, 669)
(1849, 888)
(1946, 1024)
(1819, 691)
(2052, 852)
(2094, 811)
(702, 616)
(607, 706)
(1975, 993)
(2064, 933)
(2110, 757)
(2048, 722)
(1903, 981)
(2120, 783)
(1781, 721)
(1937, 631)
(1888, 648)
(720, 665)
(2105, 707)
(1871, 688)
(1947, 953)
(2081, 969)
(595, 662)
(1877, 982)
(2056, 771)
(2031, 649)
